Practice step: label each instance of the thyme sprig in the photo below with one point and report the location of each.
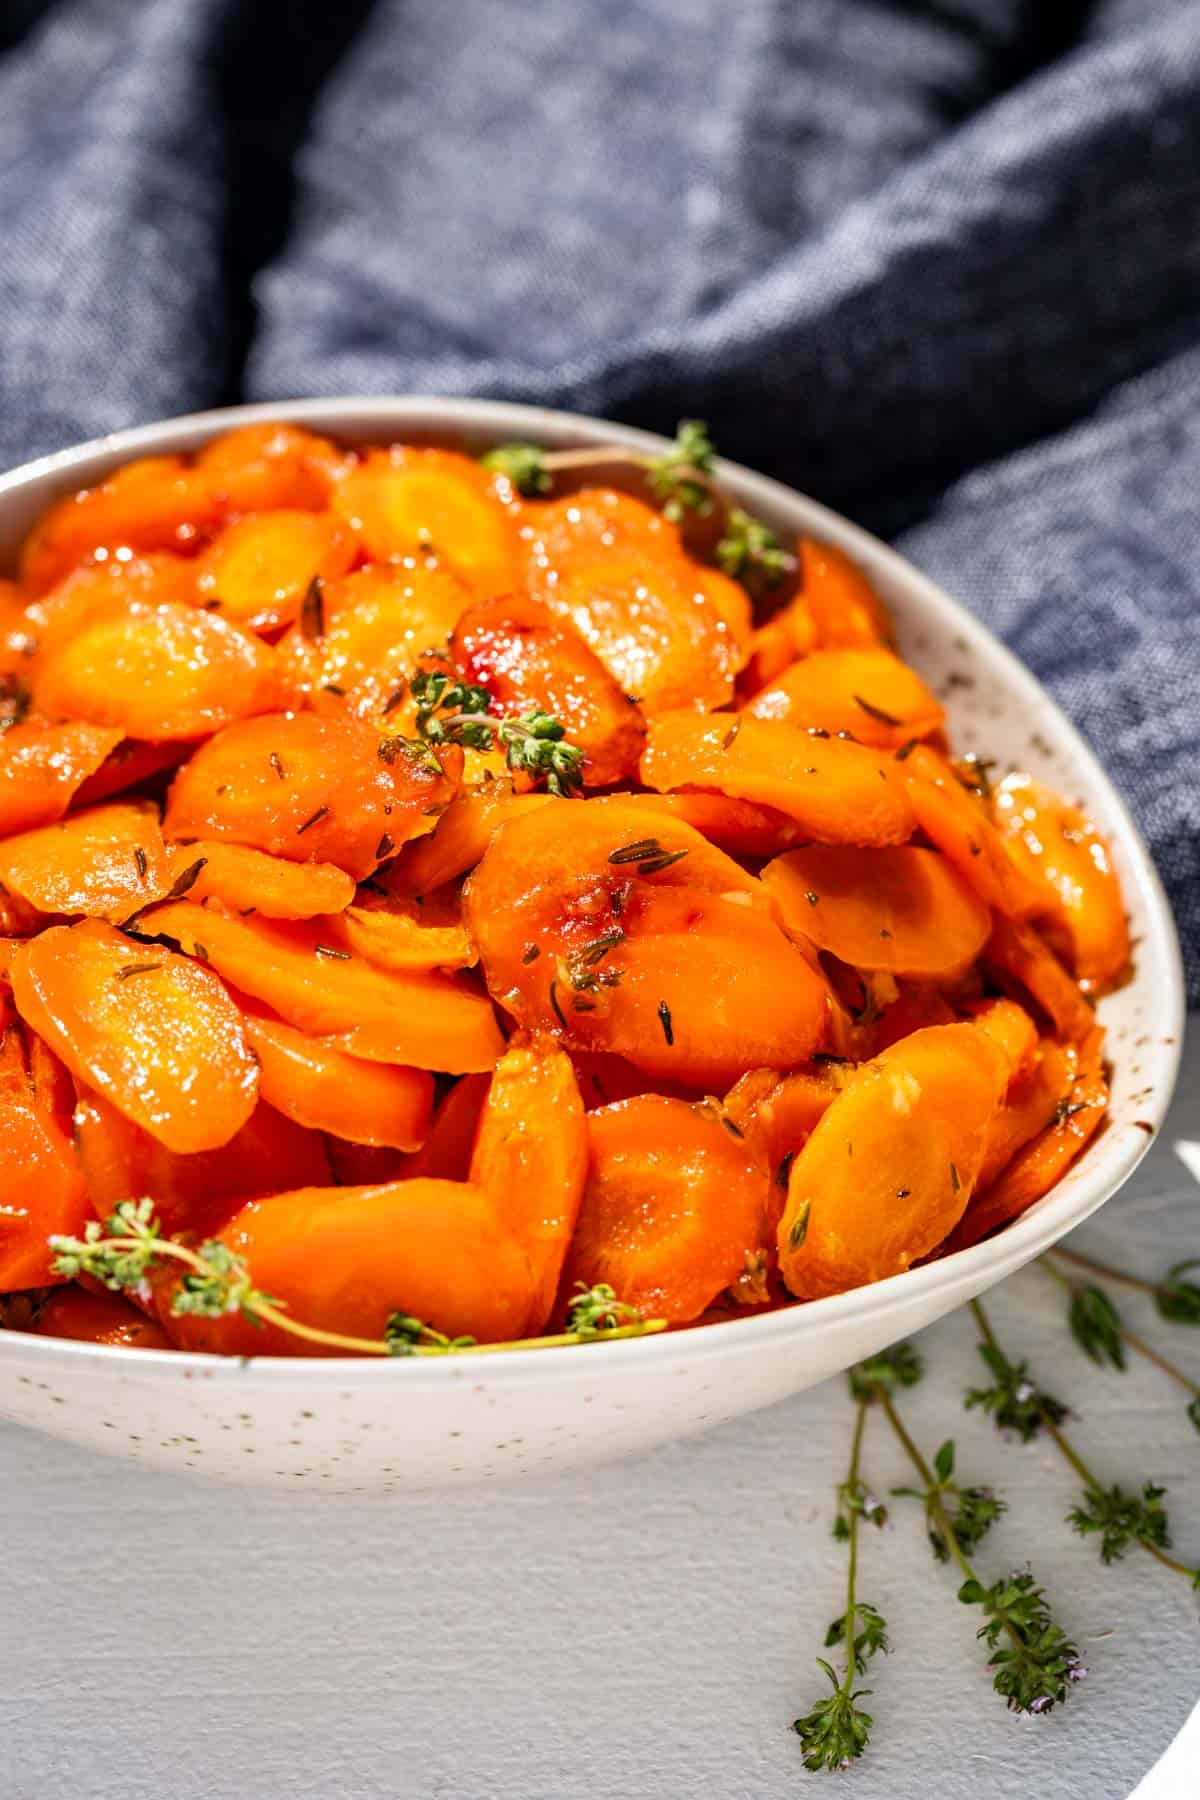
(1122, 1519)
(1033, 1662)
(1177, 1299)
(836, 1730)
(217, 1283)
(1101, 1332)
(970, 1512)
(683, 482)
(455, 712)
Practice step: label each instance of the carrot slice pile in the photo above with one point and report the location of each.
(449, 886)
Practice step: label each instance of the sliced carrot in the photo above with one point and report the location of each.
(840, 792)
(658, 948)
(261, 466)
(1074, 1118)
(106, 862)
(366, 635)
(673, 1207)
(776, 1113)
(737, 826)
(527, 660)
(310, 789)
(890, 1167)
(105, 586)
(156, 504)
(1058, 846)
(616, 570)
(43, 766)
(196, 1192)
(843, 605)
(247, 880)
(1011, 1027)
(345, 1259)
(531, 1159)
(896, 908)
(603, 1078)
(398, 933)
(260, 568)
(157, 672)
(460, 837)
(870, 694)
(423, 1020)
(153, 1031)
(362, 1102)
(100, 1318)
(403, 501)
(1018, 956)
(918, 1003)
(1029, 1108)
(777, 644)
(447, 1151)
(43, 1190)
(957, 822)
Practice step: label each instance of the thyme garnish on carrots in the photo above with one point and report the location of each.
(454, 712)
(217, 1282)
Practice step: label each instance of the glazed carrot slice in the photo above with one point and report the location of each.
(43, 766)
(246, 880)
(531, 1159)
(423, 1020)
(260, 466)
(106, 862)
(890, 1167)
(345, 1259)
(840, 792)
(130, 765)
(615, 569)
(447, 1151)
(1059, 847)
(776, 1113)
(673, 1207)
(153, 1031)
(603, 1078)
(42, 1187)
(843, 605)
(1029, 1108)
(1018, 956)
(870, 694)
(896, 908)
(396, 933)
(918, 1003)
(776, 645)
(158, 503)
(365, 1103)
(736, 826)
(363, 636)
(460, 837)
(106, 586)
(957, 822)
(404, 501)
(260, 567)
(310, 789)
(103, 1318)
(526, 659)
(658, 948)
(1071, 1119)
(195, 1192)
(1011, 1027)
(157, 672)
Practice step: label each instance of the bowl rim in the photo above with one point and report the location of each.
(1080, 1192)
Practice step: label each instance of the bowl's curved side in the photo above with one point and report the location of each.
(288, 1420)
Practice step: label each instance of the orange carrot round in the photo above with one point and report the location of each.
(404, 501)
(326, 1090)
(106, 862)
(869, 694)
(98, 1318)
(42, 1185)
(260, 568)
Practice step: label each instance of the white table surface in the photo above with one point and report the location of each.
(648, 1630)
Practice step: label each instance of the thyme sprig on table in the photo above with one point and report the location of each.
(1101, 1332)
(455, 712)
(1119, 1518)
(217, 1283)
(683, 482)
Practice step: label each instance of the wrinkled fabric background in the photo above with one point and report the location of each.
(935, 261)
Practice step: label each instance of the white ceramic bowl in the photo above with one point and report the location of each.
(354, 1426)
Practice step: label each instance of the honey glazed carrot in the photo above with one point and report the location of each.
(448, 899)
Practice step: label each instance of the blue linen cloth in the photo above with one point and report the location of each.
(936, 262)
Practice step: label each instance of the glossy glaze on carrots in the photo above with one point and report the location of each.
(761, 996)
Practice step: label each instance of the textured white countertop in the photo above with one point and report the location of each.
(646, 1630)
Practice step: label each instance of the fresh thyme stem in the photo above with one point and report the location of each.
(1099, 1268)
(852, 1545)
(1142, 1519)
(1132, 1338)
(930, 1483)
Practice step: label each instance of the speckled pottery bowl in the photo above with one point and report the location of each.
(361, 1426)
